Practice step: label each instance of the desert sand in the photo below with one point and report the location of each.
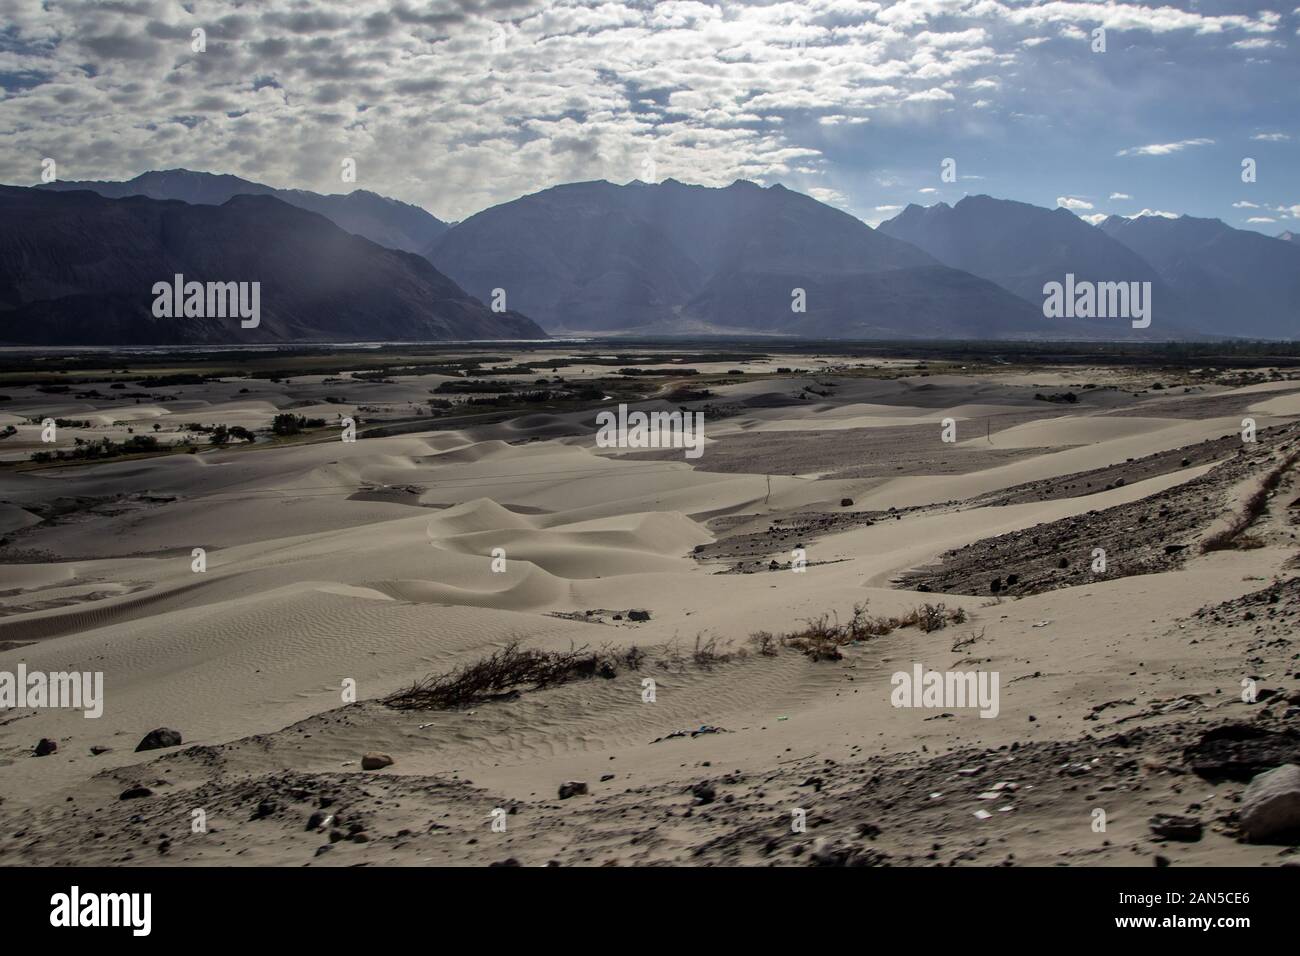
(333, 565)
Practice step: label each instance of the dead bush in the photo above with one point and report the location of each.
(822, 636)
(765, 643)
(710, 652)
(505, 671)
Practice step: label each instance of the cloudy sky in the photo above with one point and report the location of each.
(460, 105)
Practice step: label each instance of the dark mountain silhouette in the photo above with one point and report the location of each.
(1243, 283)
(77, 268)
(1021, 247)
(670, 257)
(388, 222)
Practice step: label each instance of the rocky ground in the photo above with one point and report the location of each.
(1157, 782)
(1154, 534)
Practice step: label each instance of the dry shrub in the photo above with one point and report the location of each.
(964, 642)
(932, 617)
(823, 636)
(765, 643)
(505, 671)
(710, 652)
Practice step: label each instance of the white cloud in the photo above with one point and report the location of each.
(442, 105)
(1164, 149)
(1271, 137)
(888, 208)
(1070, 202)
(831, 197)
(927, 190)
(1261, 219)
(1120, 196)
(1095, 218)
(1153, 212)
(1244, 204)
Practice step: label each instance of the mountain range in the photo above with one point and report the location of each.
(1235, 281)
(670, 257)
(1206, 277)
(595, 257)
(388, 222)
(78, 268)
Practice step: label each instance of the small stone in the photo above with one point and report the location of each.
(375, 761)
(1174, 827)
(135, 793)
(45, 746)
(573, 788)
(704, 792)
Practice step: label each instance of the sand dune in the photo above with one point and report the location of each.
(384, 560)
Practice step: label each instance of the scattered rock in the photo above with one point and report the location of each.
(1241, 751)
(98, 749)
(573, 788)
(375, 761)
(135, 793)
(825, 853)
(1271, 804)
(638, 615)
(157, 739)
(1174, 827)
(45, 746)
(704, 792)
(846, 502)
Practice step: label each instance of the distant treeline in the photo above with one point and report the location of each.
(462, 359)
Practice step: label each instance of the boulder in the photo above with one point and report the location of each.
(572, 788)
(157, 739)
(45, 746)
(1271, 804)
(375, 761)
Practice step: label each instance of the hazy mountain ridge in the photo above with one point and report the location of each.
(78, 268)
(1022, 247)
(1206, 277)
(388, 222)
(1242, 282)
(672, 257)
